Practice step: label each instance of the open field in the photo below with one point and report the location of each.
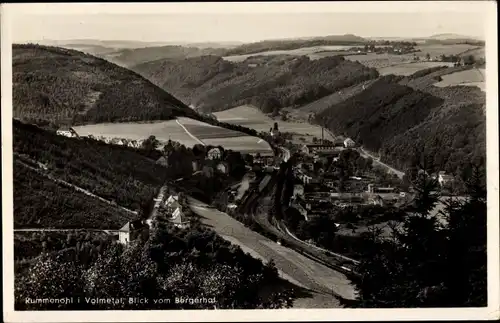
(295, 52)
(472, 77)
(188, 132)
(382, 61)
(252, 117)
(436, 50)
(162, 130)
(406, 69)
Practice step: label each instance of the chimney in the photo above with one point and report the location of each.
(322, 135)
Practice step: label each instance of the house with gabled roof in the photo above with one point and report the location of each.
(179, 219)
(172, 203)
(130, 231)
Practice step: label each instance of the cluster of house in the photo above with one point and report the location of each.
(207, 166)
(71, 133)
(171, 210)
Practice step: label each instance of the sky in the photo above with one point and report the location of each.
(184, 24)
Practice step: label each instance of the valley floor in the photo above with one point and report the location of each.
(322, 281)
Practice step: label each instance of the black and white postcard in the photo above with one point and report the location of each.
(258, 161)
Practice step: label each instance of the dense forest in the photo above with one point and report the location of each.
(398, 121)
(55, 85)
(116, 173)
(169, 263)
(268, 82)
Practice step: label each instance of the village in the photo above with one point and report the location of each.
(327, 175)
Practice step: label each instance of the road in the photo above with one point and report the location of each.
(189, 133)
(298, 269)
(376, 160)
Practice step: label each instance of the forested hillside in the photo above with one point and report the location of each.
(446, 124)
(133, 56)
(41, 203)
(271, 83)
(115, 173)
(55, 85)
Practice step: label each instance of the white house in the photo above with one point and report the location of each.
(298, 190)
(214, 153)
(223, 167)
(130, 231)
(172, 203)
(349, 143)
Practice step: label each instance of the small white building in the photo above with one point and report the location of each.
(349, 143)
(444, 179)
(130, 231)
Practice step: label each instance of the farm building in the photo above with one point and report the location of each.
(67, 132)
(349, 143)
(130, 231)
(214, 154)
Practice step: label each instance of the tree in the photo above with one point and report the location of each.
(425, 263)
(427, 56)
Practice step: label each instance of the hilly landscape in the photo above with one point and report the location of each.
(391, 115)
(133, 56)
(401, 117)
(115, 173)
(271, 83)
(60, 86)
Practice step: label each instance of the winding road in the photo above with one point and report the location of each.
(323, 282)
